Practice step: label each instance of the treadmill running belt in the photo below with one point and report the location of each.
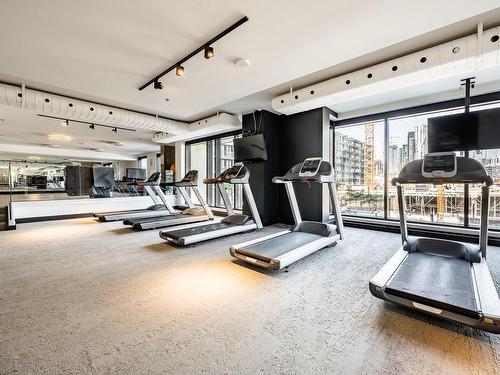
(445, 283)
(180, 233)
(277, 246)
(155, 219)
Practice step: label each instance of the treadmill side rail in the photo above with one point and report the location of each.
(384, 275)
(195, 238)
(257, 240)
(303, 251)
(488, 297)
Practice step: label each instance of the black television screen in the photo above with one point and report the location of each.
(104, 177)
(478, 130)
(136, 173)
(252, 148)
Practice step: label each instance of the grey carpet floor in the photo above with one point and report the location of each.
(80, 297)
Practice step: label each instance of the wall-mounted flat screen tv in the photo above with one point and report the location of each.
(250, 149)
(479, 130)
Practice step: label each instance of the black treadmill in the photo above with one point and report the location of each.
(445, 278)
(231, 224)
(160, 206)
(189, 215)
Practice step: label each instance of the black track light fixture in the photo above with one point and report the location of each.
(91, 125)
(158, 85)
(209, 52)
(179, 71)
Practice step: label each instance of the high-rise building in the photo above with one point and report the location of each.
(411, 146)
(420, 141)
(403, 155)
(349, 159)
(394, 159)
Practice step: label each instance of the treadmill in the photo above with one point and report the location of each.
(238, 174)
(189, 215)
(444, 278)
(281, 249)
(159, 208)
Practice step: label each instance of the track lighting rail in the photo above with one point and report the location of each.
(92, 125)
(204, 47)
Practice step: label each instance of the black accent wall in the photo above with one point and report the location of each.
(301, 138)
(289, 140)
(261, 173)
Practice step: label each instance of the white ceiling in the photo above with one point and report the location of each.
(103, 51)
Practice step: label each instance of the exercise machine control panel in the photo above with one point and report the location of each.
(310, 167)
(439, 165)
(234, 171)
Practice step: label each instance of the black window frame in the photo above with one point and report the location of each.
(447, 105)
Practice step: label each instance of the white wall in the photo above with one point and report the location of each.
(40, 209)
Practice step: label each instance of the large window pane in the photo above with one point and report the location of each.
(197, 159)
(359, 165)
(427, 203)
(491, 162)
(226, 152)
(210, 158)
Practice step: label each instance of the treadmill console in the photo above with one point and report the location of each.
(310, 167)
(439, 165)
(191, 175)
(234, 171)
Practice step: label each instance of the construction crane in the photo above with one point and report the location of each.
(369, 165)
(441, 202)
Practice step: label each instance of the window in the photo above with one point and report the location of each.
(210, 158)
(359, 165)
(226, 161)
(158, 163)
(368, 155)
(490, 159)
(143, 162)
(428, 203)
(196, 159)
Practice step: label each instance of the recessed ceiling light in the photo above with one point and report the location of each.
(60, 137)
